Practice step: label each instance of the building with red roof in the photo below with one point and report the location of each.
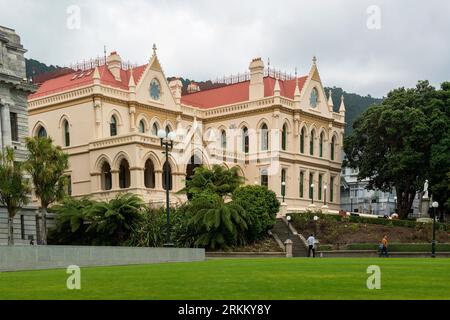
(279, 130)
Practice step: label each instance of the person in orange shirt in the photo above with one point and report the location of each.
(384, 247)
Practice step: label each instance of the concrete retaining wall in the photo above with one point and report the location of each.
(374, 254)
(54, 257)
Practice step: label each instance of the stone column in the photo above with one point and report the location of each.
(6, 126)
(158, 180)
(288, 245)
(115, 179)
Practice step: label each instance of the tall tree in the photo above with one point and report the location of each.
(14, 188)
(402, 142)
(46, 164)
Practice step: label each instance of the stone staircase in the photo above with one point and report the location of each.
(280, 230)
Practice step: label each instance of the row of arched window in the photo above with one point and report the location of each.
(125, 176)
(264, 143)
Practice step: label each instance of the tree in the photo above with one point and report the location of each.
(14, 188)
(219, 180)
(112, 221)
(219, 225)
(402, 142)
(46, 164)
(262, 205)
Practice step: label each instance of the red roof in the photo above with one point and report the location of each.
(239, 92)
(78, 79)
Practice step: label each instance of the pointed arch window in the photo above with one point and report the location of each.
(311, 142)
(142, 126)
(149, 174)
(302, 184)
(284, 138)
(113, 126)
(322, 138)
(264, 178)
(155, 129)
(302, 140)
(320, 186)
(167, 177)
(124, 175)
(333, 146)
(66, 128)
(106, 177)
(314, 98)
(245, 140)
(311, 187)
(223, 140)
(264, 137)
(42, 133)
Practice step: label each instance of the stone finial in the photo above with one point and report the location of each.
(330, 99)
(342, 107)
(154, 49)
(277, 89)
(314, 60)
(96, 75)
(131, 83)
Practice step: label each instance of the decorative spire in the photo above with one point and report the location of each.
(314, 60)
(154, 49)
(96, 75)
(342, 107)
(131, 83)
(330, 100)
(277, 89)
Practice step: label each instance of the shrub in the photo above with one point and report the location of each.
(218, 225)
(261, 206)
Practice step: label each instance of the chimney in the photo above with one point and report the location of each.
(176, 87)
(114, 63)
(193, 87)
(256, 79)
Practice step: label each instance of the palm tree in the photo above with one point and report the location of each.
(219, 180)
(14, 189)
(113, 220)
(46, 164)
(219, 224)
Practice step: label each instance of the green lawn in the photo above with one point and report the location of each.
(241, 279)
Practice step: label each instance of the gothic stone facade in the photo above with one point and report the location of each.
(279, 131)
(14, 90)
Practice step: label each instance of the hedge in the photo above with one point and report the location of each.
(401, 247)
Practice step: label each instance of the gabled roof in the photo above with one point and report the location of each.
(239, 92)
(78, 79)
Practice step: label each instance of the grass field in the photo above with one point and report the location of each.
(273, 279)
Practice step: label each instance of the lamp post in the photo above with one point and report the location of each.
(316, 218)
(289, 218)
(167, 139)
(283, 190)
(435, 205)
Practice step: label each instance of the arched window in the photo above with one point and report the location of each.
(284, 138)
(320, 186)
(113, 126)
(66, 133)
(314, 98)
(168, 129)
(106, 177)
(223, 140)
(302, 140)
(302, 184)
(332, 151)
(42, 133)
(245, 140)
(311, 186)
(322, 138)
(283, 182)
(311, 142)
(149, 174)
(264, 137)
(155, 129)
(167, 177)
(124, 174)
(264, 178)
(142, 126)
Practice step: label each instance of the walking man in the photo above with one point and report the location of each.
(384, 246)
(311, 246)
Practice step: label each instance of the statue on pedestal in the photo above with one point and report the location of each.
(425, 190)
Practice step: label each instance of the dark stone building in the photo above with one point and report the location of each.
(14, 90)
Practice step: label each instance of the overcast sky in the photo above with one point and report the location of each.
(205, 39)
